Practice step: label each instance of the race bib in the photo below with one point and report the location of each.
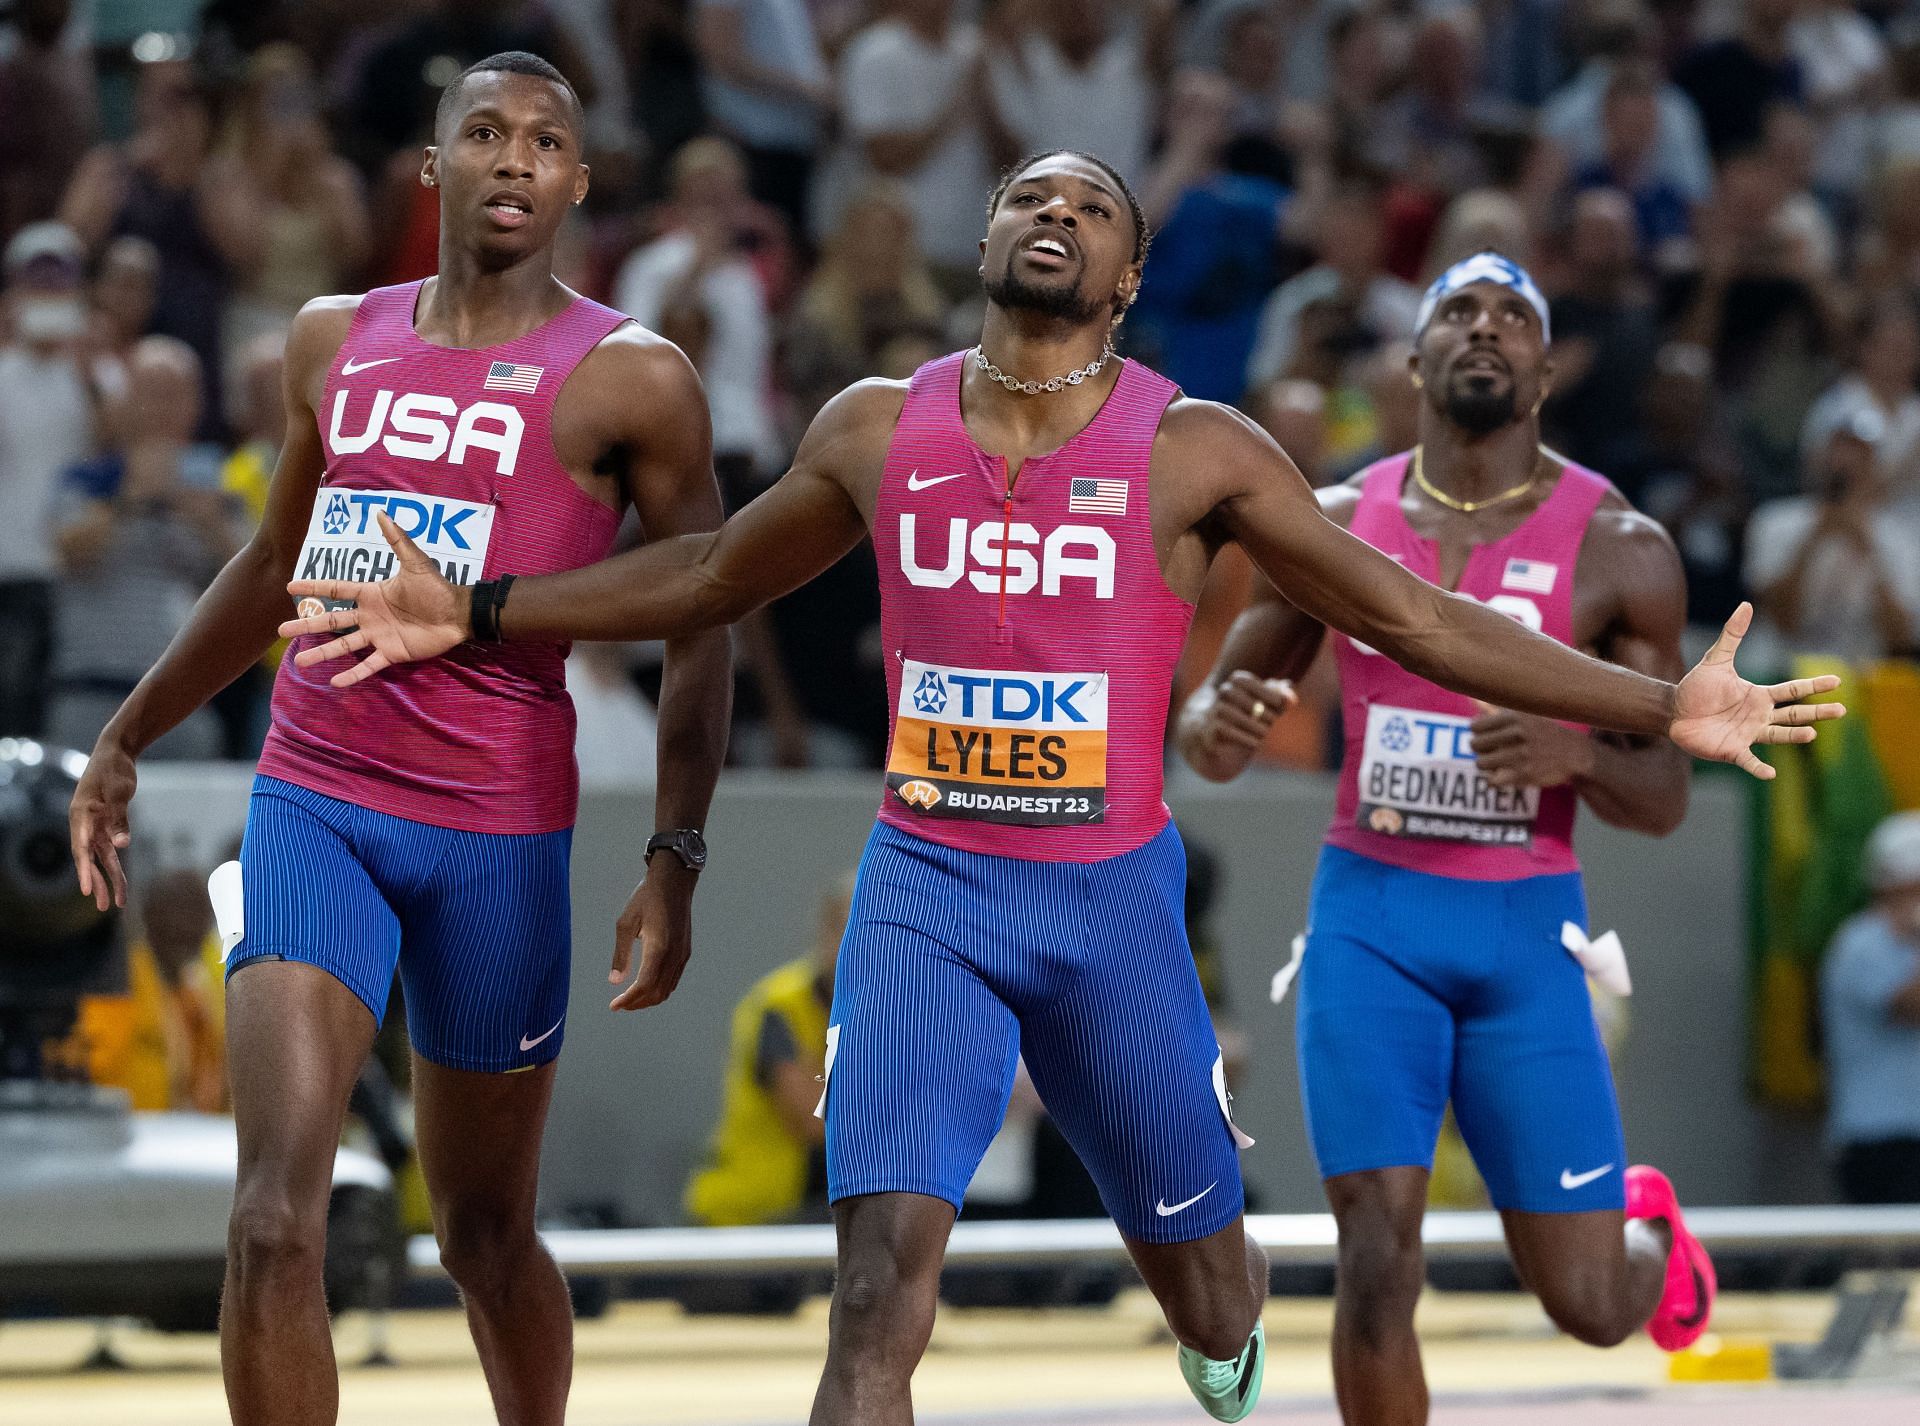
(1028, 749)
(344, 540)
(1419, 779)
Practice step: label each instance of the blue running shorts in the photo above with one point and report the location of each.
(955, 964)
(479, 923)
(1415, 988)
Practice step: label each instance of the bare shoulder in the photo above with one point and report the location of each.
(314, 339)
(632, 361)
(1623, 536)
(1191, 426)
(856, 424)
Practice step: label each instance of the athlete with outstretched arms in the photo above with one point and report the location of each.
(1043, 514)
(1448, 898)
(507, 422)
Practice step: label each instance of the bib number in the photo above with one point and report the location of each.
(989, 745)
(344, 540)
(1420, 780)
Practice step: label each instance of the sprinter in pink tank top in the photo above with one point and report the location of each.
(506, 423)
(1438, 963)
(1044, 515)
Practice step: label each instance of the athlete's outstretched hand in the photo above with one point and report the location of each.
(659, 915)
(97, 823)
(1719, 716)
(416, 614)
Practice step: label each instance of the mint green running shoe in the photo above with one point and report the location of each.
(1228, 1390)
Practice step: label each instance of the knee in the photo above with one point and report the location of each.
(883, 1305)
(1382, 1270)
(1589, 1307)
(484, 1249)
(269, 1235)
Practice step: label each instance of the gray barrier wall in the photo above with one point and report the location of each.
(638, 1093)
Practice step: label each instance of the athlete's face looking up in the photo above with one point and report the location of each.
(507, 164)
(1483, 358)
(1060, 243)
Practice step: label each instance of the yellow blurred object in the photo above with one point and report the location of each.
(164, 1044)
(1714, 1358)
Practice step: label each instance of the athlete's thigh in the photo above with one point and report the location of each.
(296, 1038)
(486, 945)
(1375, 1034)
(1533, 1090)
(308, 894)
(1126, 1061)
(920, 1049)
(478, 1137)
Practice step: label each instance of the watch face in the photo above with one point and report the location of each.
(696, 848)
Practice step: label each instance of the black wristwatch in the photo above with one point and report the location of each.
(685, 843)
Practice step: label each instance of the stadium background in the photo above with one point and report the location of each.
(1722, 200)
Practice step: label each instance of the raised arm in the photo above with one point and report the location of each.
(231, 626)
(670, 588)
(1263, 502)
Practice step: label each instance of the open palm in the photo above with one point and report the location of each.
(416, 614)
(1719, 716)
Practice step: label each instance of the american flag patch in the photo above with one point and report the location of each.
(1534, 576)
(511, 376)
(1086, 496)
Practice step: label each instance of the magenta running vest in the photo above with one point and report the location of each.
(457, 447)
(1411, 793)
(1030, 639)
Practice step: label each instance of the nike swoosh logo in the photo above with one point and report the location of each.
(1166, 1212)
(526, 1044)
(1699, 1314)
(349, 368)
(914, 482)
(1248, 1372)
(1569, 1180)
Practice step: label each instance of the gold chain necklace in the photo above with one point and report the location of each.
(1035, 388)
(1465, 507)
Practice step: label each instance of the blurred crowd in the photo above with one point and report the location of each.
(1721, 197)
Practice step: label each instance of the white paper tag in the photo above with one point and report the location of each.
(229, 905)
(826, 1075)
(1603, 957)
(1240, 1139)
(1284, 977)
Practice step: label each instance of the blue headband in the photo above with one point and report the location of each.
(1483, 267)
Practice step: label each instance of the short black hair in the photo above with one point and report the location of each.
(1141, 237)
(510, 62)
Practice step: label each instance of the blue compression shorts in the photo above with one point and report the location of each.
(1417, 988)
(478, 923)
(955, 964)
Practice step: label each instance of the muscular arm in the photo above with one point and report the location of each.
(1639, 783)
(1263, 502)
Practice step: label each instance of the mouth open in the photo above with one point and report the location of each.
(509, 211)
(1050, 253)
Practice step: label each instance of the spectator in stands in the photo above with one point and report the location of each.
(1605, 335)
(696, 285)
(1837, 570)
(1629, 162)
(162, 185)
(46, 112)
(1688, 478)
(1342, 307)
(1735, 80)
(140, 531)
(1215, 248)
(1425, 134)
(1886, 365)
(662, 66)
(126, 288)
(1889, 247)
(1083, 74)
(47, 410)
(872, 286)
(767, 87)
(1870, 998)
(766, 1162)
(918, 108)
(312, 233)
(1844, 66)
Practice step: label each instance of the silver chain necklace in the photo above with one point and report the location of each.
(1034, 388)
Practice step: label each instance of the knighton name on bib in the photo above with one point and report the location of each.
(344, 540)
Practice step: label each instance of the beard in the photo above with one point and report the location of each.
(1479, 413)
(1014, 293)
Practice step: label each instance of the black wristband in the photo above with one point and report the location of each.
(489, 597)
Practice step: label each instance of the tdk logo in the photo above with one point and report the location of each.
(429, 427)
(1431, 738)
(430, 522)
(1067, 552)
(1012, 699)
(930, 694)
